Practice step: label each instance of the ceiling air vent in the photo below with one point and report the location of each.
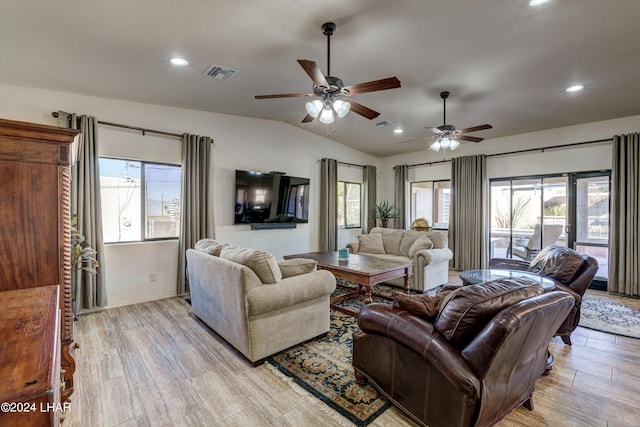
(220, 73)
(384, 124)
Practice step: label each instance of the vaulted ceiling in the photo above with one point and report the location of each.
(504, 62)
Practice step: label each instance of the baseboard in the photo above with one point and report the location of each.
(131, 302)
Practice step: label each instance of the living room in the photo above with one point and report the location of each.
(249, 143)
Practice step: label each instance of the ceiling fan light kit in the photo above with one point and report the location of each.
(329, 90)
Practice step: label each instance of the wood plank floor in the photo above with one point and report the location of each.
(154, 364)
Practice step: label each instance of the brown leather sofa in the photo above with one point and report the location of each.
(474, 364)
(572, 272)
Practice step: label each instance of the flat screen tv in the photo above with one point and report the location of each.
(270, 198)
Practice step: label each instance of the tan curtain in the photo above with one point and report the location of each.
(328, 204)
(624, 236)
(87, 290)
(400, 183)
(196, 219)
(369, 181)
(467, 215)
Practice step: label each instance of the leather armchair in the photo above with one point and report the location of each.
(571, 271)
(440, 379)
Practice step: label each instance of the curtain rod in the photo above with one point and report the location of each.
(350, 164)
(528, 150)
(143, 130)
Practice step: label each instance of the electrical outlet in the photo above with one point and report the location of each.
(152, 277)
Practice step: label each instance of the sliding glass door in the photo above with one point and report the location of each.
(589, 230)
(530, 213)
(527, 214)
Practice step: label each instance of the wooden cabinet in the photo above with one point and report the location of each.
(29, 362)
(35, 211)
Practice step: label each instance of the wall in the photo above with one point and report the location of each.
(240, 143)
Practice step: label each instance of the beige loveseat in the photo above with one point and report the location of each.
(428, 251)
(256, 304)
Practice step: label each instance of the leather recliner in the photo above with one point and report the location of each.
(463, 369)
(571, 271)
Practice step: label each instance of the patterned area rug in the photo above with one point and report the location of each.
(612, 314)
(323, 366)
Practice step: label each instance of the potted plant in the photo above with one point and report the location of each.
(384, 212)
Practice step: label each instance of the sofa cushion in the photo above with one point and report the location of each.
(210, 246)
(391, 239)
(465, 311)
(422, 242)
(438, 238)
(558, 262)
(262, 263)
(409, 239)
(296, 266)
(371, 243)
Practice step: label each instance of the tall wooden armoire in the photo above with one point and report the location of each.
(35, 210)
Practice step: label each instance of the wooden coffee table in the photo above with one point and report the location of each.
(363, 269)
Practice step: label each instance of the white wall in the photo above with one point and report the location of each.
(240, 143)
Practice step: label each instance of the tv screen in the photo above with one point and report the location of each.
(270, 198)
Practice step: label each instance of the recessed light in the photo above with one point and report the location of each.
(575, 88)
(535, 3)
(398, 131)
(180, 62)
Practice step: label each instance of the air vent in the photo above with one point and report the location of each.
(384, 124)
(221, 73)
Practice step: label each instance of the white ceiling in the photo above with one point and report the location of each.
(504, 62)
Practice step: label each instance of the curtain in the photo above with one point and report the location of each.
(401, 179)
(369, 181)
(87, 290)
(624, 236)
(328, 205)
(196, 217)
(467, 215)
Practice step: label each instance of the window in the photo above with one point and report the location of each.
(140, 200)
(349, 205)
(430, 200)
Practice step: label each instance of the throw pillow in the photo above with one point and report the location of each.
(262, 263)
(439, 239)
(467, 310)
(296, 266)
(391, 239)
(210, 246)
(422, 242)
(409, 239)
(558, 262)
(371, 243)
(425, 306)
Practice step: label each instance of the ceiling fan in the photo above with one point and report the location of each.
(330, 92)
(447, 137)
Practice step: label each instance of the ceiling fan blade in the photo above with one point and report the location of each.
(308, 118)
(285, 95)
(476, 128)
(314, 72)
(436, 131)
(372, 86)
(468, 138)
(363, 111)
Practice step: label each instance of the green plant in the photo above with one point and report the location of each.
(83, 256)
(385, 209)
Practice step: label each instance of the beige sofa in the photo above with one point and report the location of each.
(256, 304)
(428, 251)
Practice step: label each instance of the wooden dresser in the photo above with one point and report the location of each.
(35, 211)
(29, 357)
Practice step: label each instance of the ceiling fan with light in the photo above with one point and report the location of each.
(330, 92)
(447, 137)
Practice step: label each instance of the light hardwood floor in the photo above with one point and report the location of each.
(154, 364)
